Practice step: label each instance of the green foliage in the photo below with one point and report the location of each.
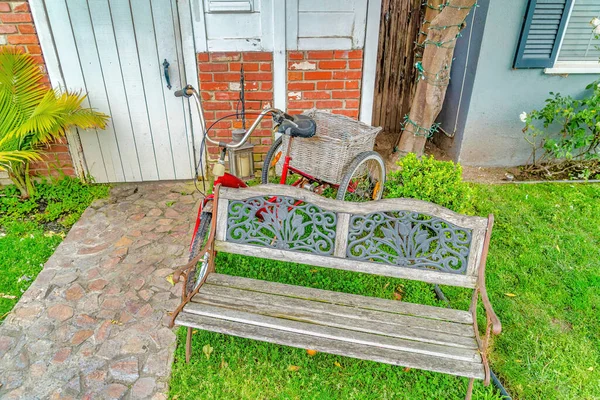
(565, 128)
(32, 115)
(428, 179)
(31, 229)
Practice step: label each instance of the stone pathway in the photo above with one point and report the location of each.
(93, 325)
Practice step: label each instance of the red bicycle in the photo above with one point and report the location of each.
(362, 180)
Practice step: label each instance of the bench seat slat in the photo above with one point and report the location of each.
(347, 299)
(301, 308)
(343, 334)
(333, 346)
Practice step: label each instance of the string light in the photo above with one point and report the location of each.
(418, 130)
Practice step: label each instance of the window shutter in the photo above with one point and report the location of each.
(579, 43)
(544, 24)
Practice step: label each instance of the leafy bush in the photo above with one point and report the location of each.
(428, 179)
(58, 200)
(565, 128)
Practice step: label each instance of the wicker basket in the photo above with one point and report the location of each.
(328, 154)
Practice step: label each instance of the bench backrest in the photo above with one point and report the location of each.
(402, 238)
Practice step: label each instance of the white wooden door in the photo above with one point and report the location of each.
(113, 50)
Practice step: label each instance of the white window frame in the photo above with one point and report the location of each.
(572, 67)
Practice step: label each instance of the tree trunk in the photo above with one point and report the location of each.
(431, 89)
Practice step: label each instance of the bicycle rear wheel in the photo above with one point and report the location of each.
(364, 179)
(272, 159)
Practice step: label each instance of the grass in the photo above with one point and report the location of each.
(35, 227)
(543, 278)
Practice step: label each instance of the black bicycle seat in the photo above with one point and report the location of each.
(300, 126)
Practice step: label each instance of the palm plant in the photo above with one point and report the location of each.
(32, 115)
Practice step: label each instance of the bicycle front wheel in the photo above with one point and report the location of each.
(198, 271)
(364, 179)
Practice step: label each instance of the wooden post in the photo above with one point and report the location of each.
(431, 88)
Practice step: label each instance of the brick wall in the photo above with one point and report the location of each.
(17, 29)
(328, 80)
(219, 75)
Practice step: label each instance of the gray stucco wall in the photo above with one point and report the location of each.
(492, 133)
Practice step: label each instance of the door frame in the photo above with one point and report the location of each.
(186, 36)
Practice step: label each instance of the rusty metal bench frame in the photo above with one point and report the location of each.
(428, 243)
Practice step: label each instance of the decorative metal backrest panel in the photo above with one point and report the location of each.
(409, 239)
(282, 222)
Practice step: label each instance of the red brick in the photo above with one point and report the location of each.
(266, 85)
(301, 86)
(330, 104)
(227, 76)
(4, 7)
(202, 57)
(204, 77)
(347, 74)
(317, 75)
(348, 113)
(352, 104)
(348, 54)
(217, 105)
(300, 104)
(293, 111)
(257, 56)
(295, 76)
(23, 7)
(225, 56)
(210, 67)
(248, 66)
(259, 96)
(330, 85)
(12, 18)
(58, 148)
(352, 84)
(22, 39)
(316, 95)
(251, 85)
(320, 55)
(255, 105)
(265, 67)
(346, 94)
(355, 64)
(8, 29)
(26, 28)
(34, 49)
(259, 76)
(221, 114)
(222, 125)
(227, 95)
(206, 96)
(214, 85)
(295, 55)
(332, 64)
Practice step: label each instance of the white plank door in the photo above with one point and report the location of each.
(114, 50)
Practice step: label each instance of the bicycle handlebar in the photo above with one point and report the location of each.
(189, 91)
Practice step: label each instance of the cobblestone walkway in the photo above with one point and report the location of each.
(93, 325)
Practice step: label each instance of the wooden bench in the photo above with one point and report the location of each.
(398, 238)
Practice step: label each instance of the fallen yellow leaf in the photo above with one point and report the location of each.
(337, 364)
(406, 369)
(590, 368)
(293, 368)
(311, 352)
(169, 279)
(510, 294)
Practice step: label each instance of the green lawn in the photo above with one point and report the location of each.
(30, 231)
(543, 279)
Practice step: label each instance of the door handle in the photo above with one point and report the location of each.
(166, 70)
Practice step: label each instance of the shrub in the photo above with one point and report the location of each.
(428, 179)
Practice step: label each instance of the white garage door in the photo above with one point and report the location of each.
(114, 51)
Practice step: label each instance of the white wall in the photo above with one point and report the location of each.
(309, 24)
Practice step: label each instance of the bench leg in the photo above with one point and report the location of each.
(188, 345)
(470, 389)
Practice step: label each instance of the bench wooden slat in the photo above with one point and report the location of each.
(346, 335)
(430, 276)
(294, 307)
(326, 345)
(328, 296)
